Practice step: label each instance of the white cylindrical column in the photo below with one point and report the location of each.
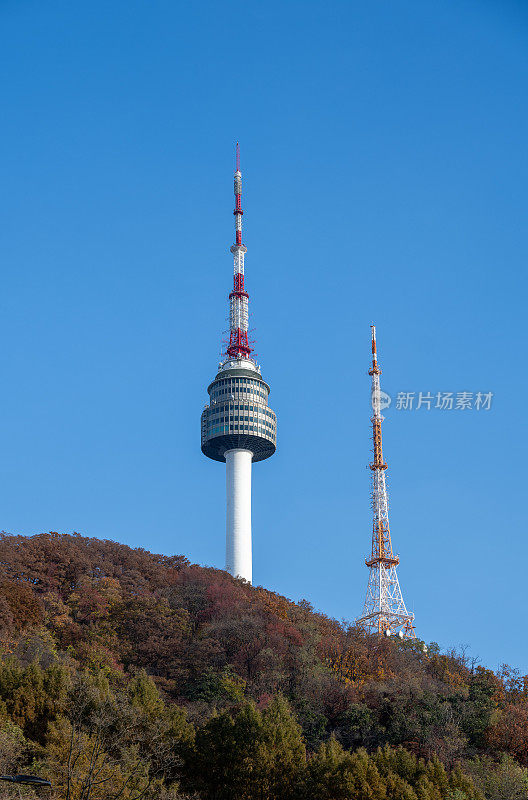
(238, 518)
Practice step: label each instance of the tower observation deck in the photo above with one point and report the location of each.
(238, 427)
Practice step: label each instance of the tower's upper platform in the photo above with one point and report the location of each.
(238, 415)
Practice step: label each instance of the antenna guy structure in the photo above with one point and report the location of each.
(384, 611)
(238, 427)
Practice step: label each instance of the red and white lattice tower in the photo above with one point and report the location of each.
(238, 426)
(384, 611)
(238, 299)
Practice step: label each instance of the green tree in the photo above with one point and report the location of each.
(31, 696)
(281, 754)
(14, 749)
(336, 774)
(500, 779)
(143, 694)
(249, 755)
(222, 764)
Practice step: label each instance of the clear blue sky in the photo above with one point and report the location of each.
(385, 174)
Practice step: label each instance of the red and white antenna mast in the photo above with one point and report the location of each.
(238, 299)
(384, 611)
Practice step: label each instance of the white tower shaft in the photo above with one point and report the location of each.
(238, 516)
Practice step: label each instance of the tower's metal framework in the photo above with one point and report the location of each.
(238, 299)
(238, 427)
(384, 611)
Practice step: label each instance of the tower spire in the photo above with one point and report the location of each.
(384, 611)
(238, 299)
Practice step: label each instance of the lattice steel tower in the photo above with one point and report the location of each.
(238, 426)
(384, 611)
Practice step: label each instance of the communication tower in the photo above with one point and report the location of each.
(384, 611)
(238, 427)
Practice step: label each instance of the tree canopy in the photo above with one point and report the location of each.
(129, 675)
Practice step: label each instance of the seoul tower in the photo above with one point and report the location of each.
(384, 611)
(238, 427)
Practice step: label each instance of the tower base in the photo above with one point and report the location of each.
(384, 612)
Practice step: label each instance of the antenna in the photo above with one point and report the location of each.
(384, 611)
(239, 346)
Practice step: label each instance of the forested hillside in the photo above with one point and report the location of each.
(125, 674)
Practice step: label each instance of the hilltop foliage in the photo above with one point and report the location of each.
(127, 675)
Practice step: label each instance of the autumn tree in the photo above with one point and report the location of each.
(113, 745)
(509, 732)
